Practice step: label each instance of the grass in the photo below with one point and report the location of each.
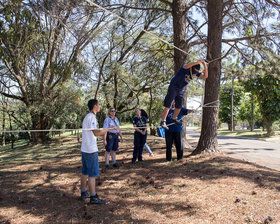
(257, 133)
(40, 184)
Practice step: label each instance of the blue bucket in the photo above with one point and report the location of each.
(161, 132)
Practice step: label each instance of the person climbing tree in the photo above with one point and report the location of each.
(176, 89)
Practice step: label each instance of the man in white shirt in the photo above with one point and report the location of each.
(90, 165)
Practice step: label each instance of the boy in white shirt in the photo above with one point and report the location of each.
(90, 165)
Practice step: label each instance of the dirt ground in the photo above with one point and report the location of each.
(40, 184)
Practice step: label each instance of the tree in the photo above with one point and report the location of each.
(225, 103)
(245, 112)
(40, 45)
(208, 138)
(267, 91)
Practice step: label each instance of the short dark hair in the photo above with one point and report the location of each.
(92, 103)
(197, 66)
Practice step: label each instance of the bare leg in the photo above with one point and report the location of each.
(164, 113)
(107, 157)
(176, 112)
(91, 185)
(113, 156)
(84, 182)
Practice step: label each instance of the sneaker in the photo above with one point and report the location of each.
(176, 121)
(84, 195)
(151, 155)
(163, 125)
(107, 167)
(116, 165)
(96, 200)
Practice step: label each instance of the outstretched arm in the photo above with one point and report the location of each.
(98, 132)
(193, 63)
(205, 73)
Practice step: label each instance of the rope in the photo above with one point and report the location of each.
(148, 32)
(208, 105)
(80, 129)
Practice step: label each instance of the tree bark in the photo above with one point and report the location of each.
(179, 36)
(179, 31)
(268, 126)
(4, 109)
(208, 138)
(39, 122)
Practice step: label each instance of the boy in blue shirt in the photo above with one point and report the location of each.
(174, 133)
(176, 89)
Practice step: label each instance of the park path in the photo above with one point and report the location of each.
(265, 153)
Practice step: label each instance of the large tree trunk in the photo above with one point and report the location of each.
(208, 138)
(39, 122)
(179, 32)
(268, 126)
(4, 109)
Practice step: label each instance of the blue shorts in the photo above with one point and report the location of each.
(90, 165)
(176, 94)
(112, 142)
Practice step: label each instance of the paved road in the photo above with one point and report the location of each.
(265, 153)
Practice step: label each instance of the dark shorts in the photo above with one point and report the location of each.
(176, 94)
(90, 164)
(112, 142)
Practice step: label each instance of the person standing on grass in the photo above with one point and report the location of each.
(144, 114)
(89, 149)
(176, 89)
(111, 138)
(140, 135)
(174, 133)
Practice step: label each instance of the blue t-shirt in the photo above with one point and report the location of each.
(140, 122)
(109, 122)
(182, 77)
(175, 127)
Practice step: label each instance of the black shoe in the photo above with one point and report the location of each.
(107, 167)
(116, 165)
(163, 125)
(174, 120)
(133, 161)
(96, 200)
(84, 195)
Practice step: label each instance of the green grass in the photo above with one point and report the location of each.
(257, 133)
(56, 148)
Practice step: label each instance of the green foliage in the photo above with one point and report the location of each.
(245, 111)
(267, 90)
(225, 102)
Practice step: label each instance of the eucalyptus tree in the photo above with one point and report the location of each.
(233, 16)
(189, 25)
(246, 113)
(41, 43)
(266, 87)
(228, 111)
(130, 63)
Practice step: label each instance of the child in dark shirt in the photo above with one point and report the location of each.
(176, 89)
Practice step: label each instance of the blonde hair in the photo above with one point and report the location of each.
(109, 110)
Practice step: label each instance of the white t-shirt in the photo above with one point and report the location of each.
(89, 140)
